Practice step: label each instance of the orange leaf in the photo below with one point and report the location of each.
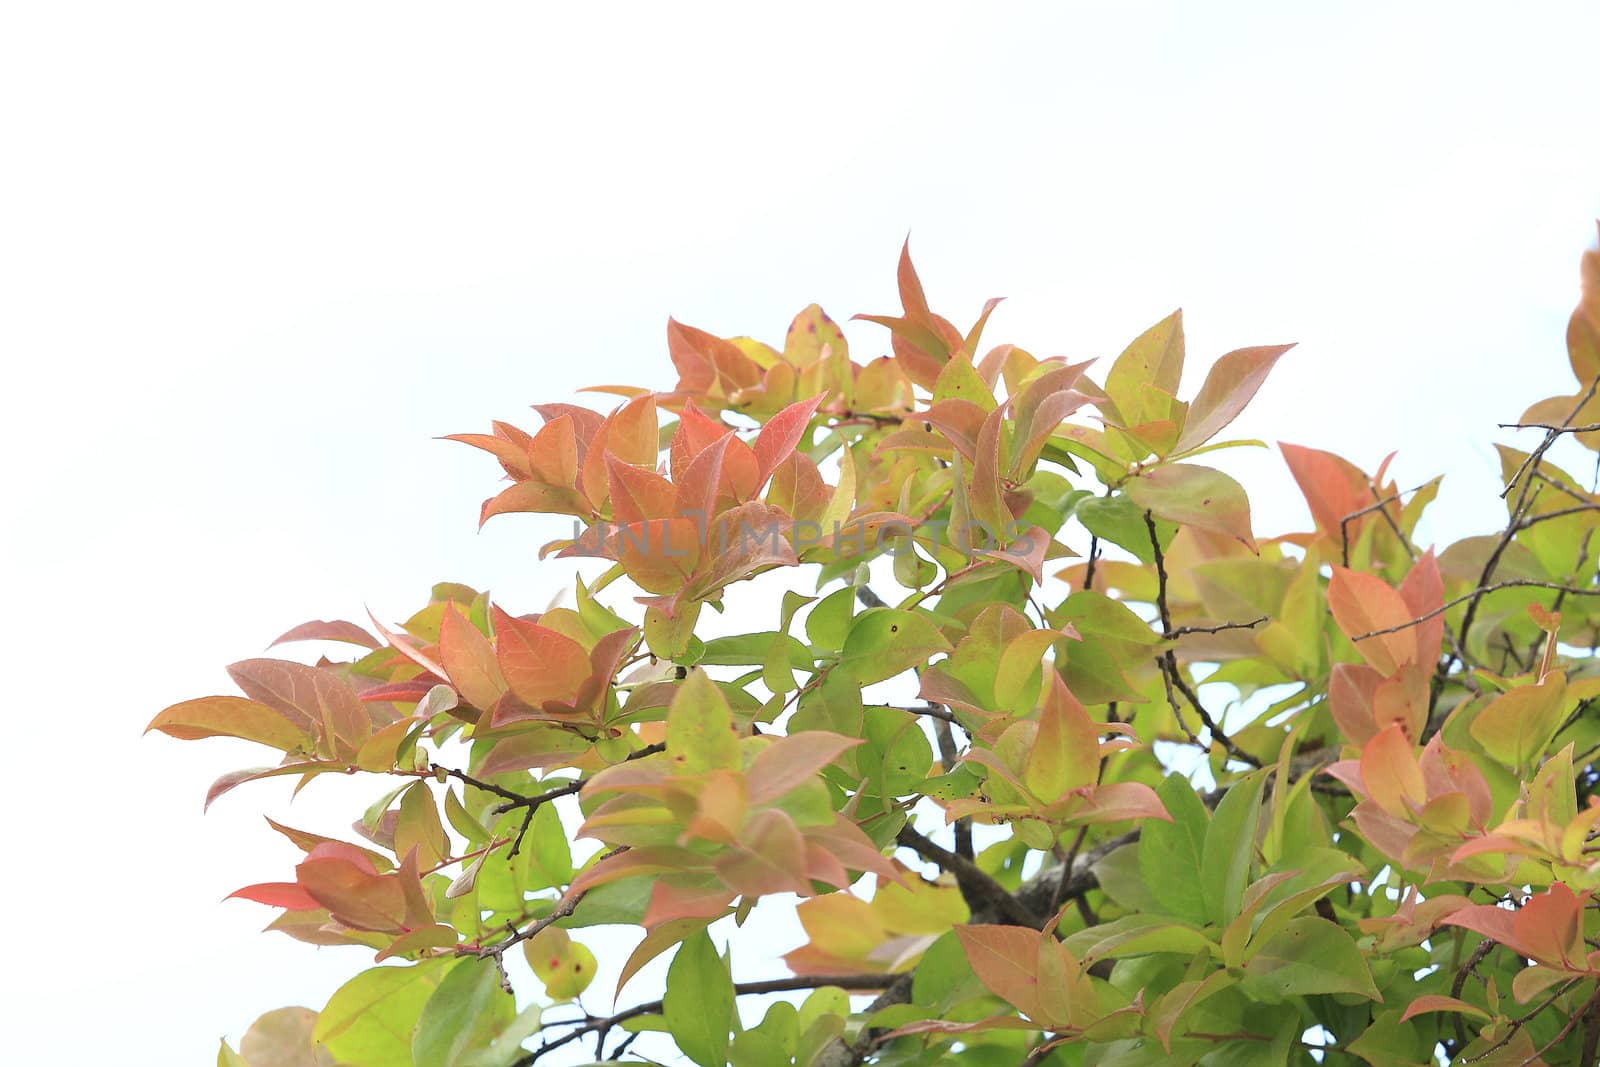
(538, 664)
(1362, 603)
(229, 716)
(1005, 959)
(1390, 771)
(1229, 386)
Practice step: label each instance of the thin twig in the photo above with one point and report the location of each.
(1557, 428)
(1169, 662)
(1510, 583)
(1172, 635)
(602, 1024)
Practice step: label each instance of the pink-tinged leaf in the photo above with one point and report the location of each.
(792, 761)
(1192, 495)
(434, 936)
(410, 691)
(1183, 996)
(278, 895)
(322, 630)
(585, 423)
(1495, 923)
(961, 422)
(553, 454)
(403, 645)
(782, 434)
(343, 881)
(852, 848)
(671, 901)
(986, 498)
(1438, 1002)
(1352, 689)
(538, 664)
(1532, 981)
(507, 444)
(1364, 603)
(912, 298)
(769, 857)
(660, 938)
(233, 779)
(636, 863)
(1119, 802)
(229, 716)
(1549, 927)
(1391, 773)
(469, 661)
(1005, 959)
(1423, 591)
(535, 498)
(1229, 386)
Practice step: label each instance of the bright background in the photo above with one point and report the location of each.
(253, 258)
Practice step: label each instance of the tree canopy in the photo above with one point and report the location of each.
(1062, 762)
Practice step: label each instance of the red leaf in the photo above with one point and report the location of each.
(782, 435)
(1333, 487)
(277, 894)
(1438, 1002)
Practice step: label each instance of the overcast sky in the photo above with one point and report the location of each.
(254, 258)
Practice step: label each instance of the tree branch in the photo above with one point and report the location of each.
(977, 886)
(603, 1024)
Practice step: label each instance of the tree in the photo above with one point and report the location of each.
(979, 791)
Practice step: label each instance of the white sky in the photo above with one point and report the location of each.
(254, 258)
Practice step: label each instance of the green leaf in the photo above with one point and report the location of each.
(1120, 521)
(1137, 935)
(1311, 955)
(883, 642)
(828, 622)
(700, 730)
(699, 1002)
(1230, 848)
(1516, 726)
(898, 752)
(1192, 495)
(226, 1057)
(282, 1038)
(1170, 853)
(546, 856)
(1155, 358)
(370, 1019)
(462, 1015)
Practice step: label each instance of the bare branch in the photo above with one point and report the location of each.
(1554, 427)
(1510, 583)
(1172, 635)
(603, 1024)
